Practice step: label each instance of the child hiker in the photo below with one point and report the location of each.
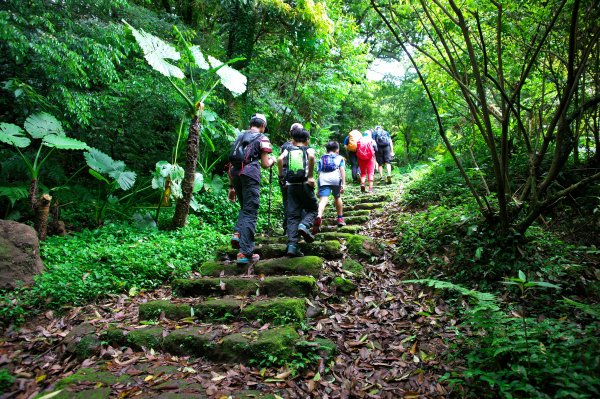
(332, 180)
(300, 186)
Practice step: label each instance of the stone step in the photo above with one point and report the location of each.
(280, 343)
(350, 220)
(344, 229)
(291, 286)
(276, 247)
(360, 212)
(369, 205)
(272, 310)
(307, 265)
(366, 198)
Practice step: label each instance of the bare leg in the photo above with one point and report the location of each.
(389, 169)
(322, 205)
(339, 206)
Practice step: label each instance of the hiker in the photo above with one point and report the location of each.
(282, 174)
(365, 152)
(384, 153)
(350, 144)
(332, 180)
(300, 185)
(250, 149)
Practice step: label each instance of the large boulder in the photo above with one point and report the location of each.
(19, 254)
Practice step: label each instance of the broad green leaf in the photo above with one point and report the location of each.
(99, 161)
(545, 284)
(13, 135)
(232, 79)
(98, 176)
(125, 179)
(194, 204)
(522, 276)
(42, 124)
(157, 52)
(199, 57)
(64, 143)
(198, 182)
(14, 193)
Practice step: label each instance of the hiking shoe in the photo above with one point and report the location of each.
(235, 241)
(362, 188)
(371, 191)
(315, 229)
(243, 259)
(389, 180)
(340, 222)
(292, 250)
(305, 233)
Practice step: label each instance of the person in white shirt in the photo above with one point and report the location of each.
(332, 180)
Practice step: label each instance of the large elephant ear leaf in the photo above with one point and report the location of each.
(13, 135)
(157, 52)
(64, 143)
(99, 161)
(43, 124)
(231, 78)
(199, 57)
(125, 179)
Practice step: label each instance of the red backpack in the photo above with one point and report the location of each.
(364, 148)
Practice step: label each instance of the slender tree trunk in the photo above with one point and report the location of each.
(187, 185)
(42, 210)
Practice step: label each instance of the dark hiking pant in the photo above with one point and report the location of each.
(301, 209)
(353, 160)
(248, 194)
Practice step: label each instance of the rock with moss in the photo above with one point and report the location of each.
(220, 309)
(96, 393)
(188, 342)
(88, 375)
(363, 246)
(274, 344)
(215, 269)
(371, 198)
(305, 265)
(82, 341)
(114, 336)
(354, 267)
(343, 285)
(350, 220)
(370, 206)
(328, 249)
(296, 286)
(333, 235)
(343, 229)
(149, 338)
(276, 310)
(173, 311)
(324, 347)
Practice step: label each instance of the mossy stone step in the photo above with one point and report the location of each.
(279, 343)
(293, 286)
(277, 248)
(366, 198)
(350, 220)
(369, 205)
(361, 212)
(353, 229)
(304, 266)
(226, 309)
(364, 247)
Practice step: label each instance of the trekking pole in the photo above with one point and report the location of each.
(269, 202)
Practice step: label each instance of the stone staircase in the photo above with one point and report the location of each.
(232, 314)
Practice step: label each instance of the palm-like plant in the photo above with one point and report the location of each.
(47, 132)
(212, 71)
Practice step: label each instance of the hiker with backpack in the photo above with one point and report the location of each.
(350, 143)
(332, 180)
(285, 146)
(384, 153)
(300, 184)
(365, 152)
(249, 152)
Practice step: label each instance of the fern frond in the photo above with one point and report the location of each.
(485, 300)
(14, 193)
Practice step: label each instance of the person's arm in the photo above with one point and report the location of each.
(311, 168)
(280, 165)
(343, 177)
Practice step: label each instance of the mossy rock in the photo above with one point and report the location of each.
(214, 268)
(304, 266)
(369, 198)
(295, 286)
(333, 235)
(149, 338)
(326, 348)
(271, 250)
(278, 310)
(96, 393)
(275, 342)
(363, 246)
(343, 285)
(276, 239)
(350, 220)
(250, 394)
(188, 342)
(361, 212)
(82, 341)
(368, 205)
(328, 249)
(114, 336)
(173, 311)
(92, 376)
(343, 229)
(353, 267)
(221, 309)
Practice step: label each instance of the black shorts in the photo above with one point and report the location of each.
(384, 155)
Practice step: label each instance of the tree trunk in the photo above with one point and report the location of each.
(42, 210)
(187, 185)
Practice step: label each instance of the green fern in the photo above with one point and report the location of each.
(484, 300)
(592, 310)
(14, 194)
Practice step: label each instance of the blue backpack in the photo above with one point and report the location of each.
(328, 164)
(383, 138)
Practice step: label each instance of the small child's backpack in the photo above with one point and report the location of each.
(364, 149)
(383, 139)
(328, 163)
(239, 154)
(297, 161)
(353, 138)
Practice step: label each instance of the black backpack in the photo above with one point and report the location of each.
(382, 139)
(240, 151)
(297, 163)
